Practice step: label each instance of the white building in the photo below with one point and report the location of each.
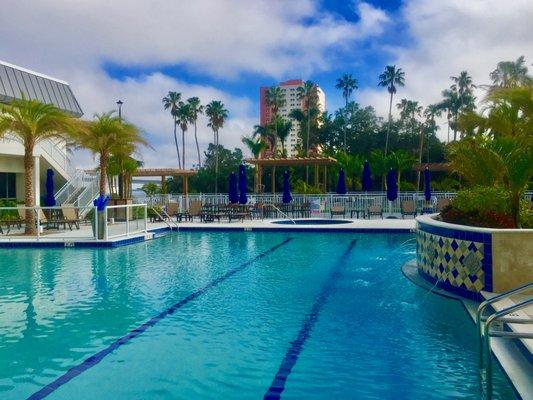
(16, 82)
(290, 90)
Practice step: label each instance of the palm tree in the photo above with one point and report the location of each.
(282, 129)
(352, 164)
(511, 74)
(31, 122)
(275, 99)
(196, 110)
(400, 161)
(217, 115)
(256, 147)
(307, 93)
(106, 135)
(451, 103)
(171, 102)
(380, 164)
(347, 83)
(390, 78)
(183, 117)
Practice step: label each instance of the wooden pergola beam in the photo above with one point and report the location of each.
(291, 162)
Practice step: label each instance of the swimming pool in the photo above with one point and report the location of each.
(231, 315)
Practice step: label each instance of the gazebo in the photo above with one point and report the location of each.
(164, 172)
(315, 162)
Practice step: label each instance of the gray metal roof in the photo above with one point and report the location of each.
(16, 82)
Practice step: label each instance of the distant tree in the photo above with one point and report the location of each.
(171, 102)
(282, 128)
(347, 83)
(256, 146)
(151, 189)
(511, 74)
(307, 93)
(196, 110)
(217, 115)
(352, 164)
(391, 78)
(183, 118)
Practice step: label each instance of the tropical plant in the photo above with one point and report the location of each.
(282, 128)
(352, 164)
(32, 122)
(217, 115)
(307, 93)
(106, 135)
(380, 165)
(511, 74)
(347, 83)
(505, 161)
(123, 165)
(391, 78)
(400, 161)
(256, 146)
(183, 118)
(275, 99)
(196, 109)
(452, 104)
(151, 189)
(171, 102)
(508, 112)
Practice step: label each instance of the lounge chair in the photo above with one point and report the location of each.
(408, 208)
(70, 216)
(195, 210)
(374, 210)
(337, 210)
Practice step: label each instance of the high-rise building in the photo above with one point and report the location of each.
(290, 90)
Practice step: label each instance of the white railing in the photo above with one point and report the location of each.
(51, 223)
(80, 190)
(58, 155)
(125, 220)
(320, 203)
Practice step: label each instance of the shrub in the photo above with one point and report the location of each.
(446, 185)
(407, 186)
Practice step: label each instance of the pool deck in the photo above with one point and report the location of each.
(83, 237)
(516, 360)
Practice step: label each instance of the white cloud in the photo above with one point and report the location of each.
(223, 38)
(449, 37)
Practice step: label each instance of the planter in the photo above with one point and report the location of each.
(101, 224)
(466, 260)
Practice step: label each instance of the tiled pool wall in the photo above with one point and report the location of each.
(466, 260)
(456, 260)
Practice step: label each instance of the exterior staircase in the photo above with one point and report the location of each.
(80, 190)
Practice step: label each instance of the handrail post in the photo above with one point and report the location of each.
(145, 218)
(95, 217)
(36, 211)
(127, 220)
(106, 233)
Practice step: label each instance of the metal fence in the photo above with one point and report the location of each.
(320, 203)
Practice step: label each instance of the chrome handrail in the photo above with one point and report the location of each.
(281, 212)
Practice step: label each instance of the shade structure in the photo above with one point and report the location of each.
(392, 185)
(341, 183)
(233, 194)
(243, 197)
(427, 184)
(287, 197)
(49, 200)
(366, 179)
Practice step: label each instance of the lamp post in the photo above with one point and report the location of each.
(119, 104)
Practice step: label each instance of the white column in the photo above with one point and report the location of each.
(37, 181)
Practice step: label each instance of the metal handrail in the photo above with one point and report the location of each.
(485, 334)
(161, 217)
(282, 213)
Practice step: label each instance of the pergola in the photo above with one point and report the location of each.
(315, 162)
(164, 172)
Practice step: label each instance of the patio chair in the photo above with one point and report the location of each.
(375, 209)
(195, 210)
(10, 221)
(408, 208)
(305, 210)
(337, 210)
(70, 216)
(442, 203)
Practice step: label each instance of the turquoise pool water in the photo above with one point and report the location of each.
(231, 316)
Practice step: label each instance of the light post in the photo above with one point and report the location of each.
(346, 127)
(119, 104)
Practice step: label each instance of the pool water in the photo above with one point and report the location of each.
(233, 315)
(313, 221)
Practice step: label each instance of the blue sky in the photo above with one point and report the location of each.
(137, 51)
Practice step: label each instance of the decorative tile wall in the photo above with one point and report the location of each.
(458, 261)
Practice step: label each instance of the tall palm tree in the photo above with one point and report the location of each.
(400, 161)
(347, 83)
(451, 103)
(256, 147)
(282, 129)
(31, 122)
(196, 110)
(171, 102)
(307, 93)
(275, 99)
(380, 164)
(511, 74)
(391, 78)
(217, 115)
(106, 135)
(183, 117)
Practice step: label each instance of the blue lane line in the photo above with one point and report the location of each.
(96, 358)
(291, 356)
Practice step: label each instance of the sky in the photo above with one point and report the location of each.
(137, 51)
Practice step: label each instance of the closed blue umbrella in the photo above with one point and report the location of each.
(427, 184)
(233, 194)
(341, 184)
(366, 179)
(392, 185)
(287, 197)
(243, 198)
(49, 200)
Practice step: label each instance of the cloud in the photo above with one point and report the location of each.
(445, 38)
(221, 38)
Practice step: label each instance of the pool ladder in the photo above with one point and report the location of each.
(167, 219)
(505, 316)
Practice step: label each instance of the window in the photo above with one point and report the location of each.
(8, 186)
